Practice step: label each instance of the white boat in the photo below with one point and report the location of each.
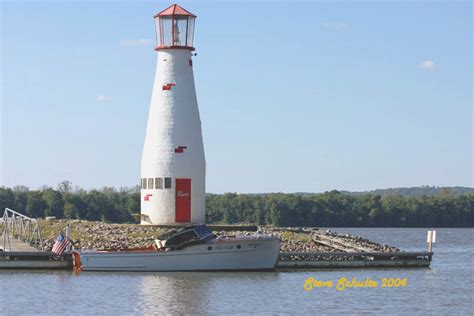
(192, 248)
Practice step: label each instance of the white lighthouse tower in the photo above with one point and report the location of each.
(173, 166)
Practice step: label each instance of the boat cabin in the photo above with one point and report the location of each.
(185, 237)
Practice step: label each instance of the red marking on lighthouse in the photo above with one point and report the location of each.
(147, 197)
(168, 86)
(180, 149)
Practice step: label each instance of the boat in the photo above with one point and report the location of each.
(191, 248)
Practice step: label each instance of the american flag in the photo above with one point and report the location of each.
(60, 244)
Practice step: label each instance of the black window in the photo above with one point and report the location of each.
(150, 183)
(167, 183)
(143, 183)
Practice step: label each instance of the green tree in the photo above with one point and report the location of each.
(7, 199)
(35, 205)
(54, 203)
(21, 198)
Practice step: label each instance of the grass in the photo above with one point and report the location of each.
(286, 235)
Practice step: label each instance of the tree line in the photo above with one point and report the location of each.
(336, 209)
(329, 209)
(107, 204)
(418, 191)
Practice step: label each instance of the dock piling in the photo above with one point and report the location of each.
(431, 239)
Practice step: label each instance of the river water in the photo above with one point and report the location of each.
(445, 288)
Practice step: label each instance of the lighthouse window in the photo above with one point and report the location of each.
(167, 183)
(150, 183)
(143, 183)
(190, 33)
(158, 183)
(165, 30)
(180, 30)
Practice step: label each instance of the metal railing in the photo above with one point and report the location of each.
(21, 227)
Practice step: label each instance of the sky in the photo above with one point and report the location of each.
(293, 96)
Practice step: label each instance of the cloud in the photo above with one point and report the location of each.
(426, 65)
(338, 26)
(136, 42)
(103, 98)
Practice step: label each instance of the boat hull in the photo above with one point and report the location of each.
(234, 254)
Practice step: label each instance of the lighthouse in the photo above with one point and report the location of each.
(173, 166)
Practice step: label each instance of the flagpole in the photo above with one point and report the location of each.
(68, 236)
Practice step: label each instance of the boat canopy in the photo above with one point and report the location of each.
(187, 236)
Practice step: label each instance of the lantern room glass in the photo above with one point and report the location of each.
(190, 31)
(175, 30)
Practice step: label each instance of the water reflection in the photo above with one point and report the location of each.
(190, 293)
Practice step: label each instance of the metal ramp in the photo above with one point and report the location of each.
(20, 232)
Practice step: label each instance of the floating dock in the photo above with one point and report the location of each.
(29, 260)
(34, 260)
(345, 260)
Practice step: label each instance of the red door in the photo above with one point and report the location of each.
(183, 200)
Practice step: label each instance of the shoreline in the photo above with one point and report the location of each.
(89, 235)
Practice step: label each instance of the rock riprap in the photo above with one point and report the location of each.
(88, 235)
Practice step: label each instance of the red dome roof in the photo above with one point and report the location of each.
(174, 10)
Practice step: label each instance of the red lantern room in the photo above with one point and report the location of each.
(174, 28)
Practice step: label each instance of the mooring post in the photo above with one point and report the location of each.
(430, 239)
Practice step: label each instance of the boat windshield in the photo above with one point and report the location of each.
(187, 236)
(181, 238)
(203, 231)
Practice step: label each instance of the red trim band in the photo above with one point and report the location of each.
(174, 47)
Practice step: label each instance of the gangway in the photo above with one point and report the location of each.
(22, 228)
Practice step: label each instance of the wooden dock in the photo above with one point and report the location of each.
(18, 245)
(336, 243)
